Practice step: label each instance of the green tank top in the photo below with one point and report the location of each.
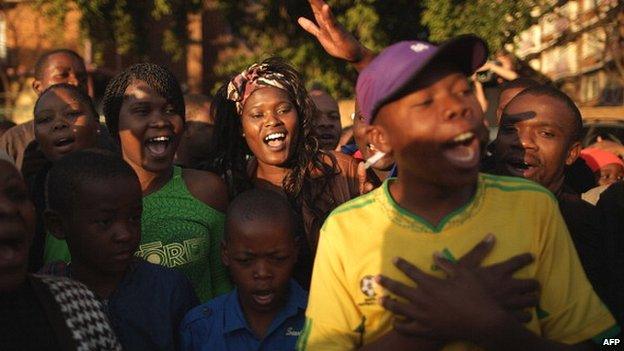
(181, 232)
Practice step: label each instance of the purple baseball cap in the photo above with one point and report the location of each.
(384, 79)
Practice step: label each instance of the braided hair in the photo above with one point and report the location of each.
(310, 170)
(157, 77)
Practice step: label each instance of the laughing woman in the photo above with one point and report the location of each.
(182, 222)
(264, 139)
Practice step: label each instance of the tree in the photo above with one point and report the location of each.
(124, 24)
(262, 28)
(269, 27)
(496, 21)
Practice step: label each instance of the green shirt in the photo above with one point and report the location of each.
(181, 232)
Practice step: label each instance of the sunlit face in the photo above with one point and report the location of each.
(535, 140)
(433, 132)
(64, 124)
(609, 174)
(269, 122)
(327, 125)
(17, 227)
(62, 68)
(104, 231)
(149, 128)
(261, 255)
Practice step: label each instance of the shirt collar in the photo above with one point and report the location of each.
(234, 318)
(297, 298)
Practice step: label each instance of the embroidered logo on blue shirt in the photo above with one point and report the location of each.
(290, 331)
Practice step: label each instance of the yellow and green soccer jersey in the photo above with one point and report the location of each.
(360, 238)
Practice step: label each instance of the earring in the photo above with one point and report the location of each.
(243, 134)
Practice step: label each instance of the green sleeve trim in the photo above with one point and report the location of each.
(607, 334)
(527, 187)
(351, 206)
(302, 342)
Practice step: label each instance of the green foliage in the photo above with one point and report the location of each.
(496, 21)
(269, 27)
(124, 24)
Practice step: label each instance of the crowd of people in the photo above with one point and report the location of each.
(252, 221)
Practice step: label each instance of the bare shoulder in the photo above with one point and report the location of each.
(207, 187)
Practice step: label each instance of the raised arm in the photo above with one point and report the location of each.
(334, 37)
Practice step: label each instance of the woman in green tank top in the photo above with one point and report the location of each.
(183, 209)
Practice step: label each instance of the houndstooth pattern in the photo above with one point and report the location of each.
(83, 314)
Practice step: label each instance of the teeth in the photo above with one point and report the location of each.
(160, 139)
(274, 136)
(463, 137)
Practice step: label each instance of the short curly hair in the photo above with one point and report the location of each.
(43, 60)
(157, 77)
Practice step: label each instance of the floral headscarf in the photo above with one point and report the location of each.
(253, 78)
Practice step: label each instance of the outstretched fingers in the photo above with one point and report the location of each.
(475, 256)
(412, 271)
(513, 264)
(395, 287)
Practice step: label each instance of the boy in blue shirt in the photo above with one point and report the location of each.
(94, 202)
(266, 311)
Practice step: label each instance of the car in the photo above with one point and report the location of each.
(606, 123)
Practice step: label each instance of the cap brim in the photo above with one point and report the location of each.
(456, 51)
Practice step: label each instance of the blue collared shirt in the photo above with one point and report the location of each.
(220, 325)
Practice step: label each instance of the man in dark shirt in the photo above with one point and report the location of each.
(611, 206)
(539, 136)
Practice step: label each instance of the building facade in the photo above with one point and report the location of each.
(578, 44)
(25, 33)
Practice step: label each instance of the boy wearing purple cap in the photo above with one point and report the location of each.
(423, 113)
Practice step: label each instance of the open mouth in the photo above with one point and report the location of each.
(275, 140)
(519, 165)
(158, 146)
(263, 297)
(521, 168)
(64, 142)
(463, 151)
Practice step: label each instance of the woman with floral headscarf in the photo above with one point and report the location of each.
(264, 139)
